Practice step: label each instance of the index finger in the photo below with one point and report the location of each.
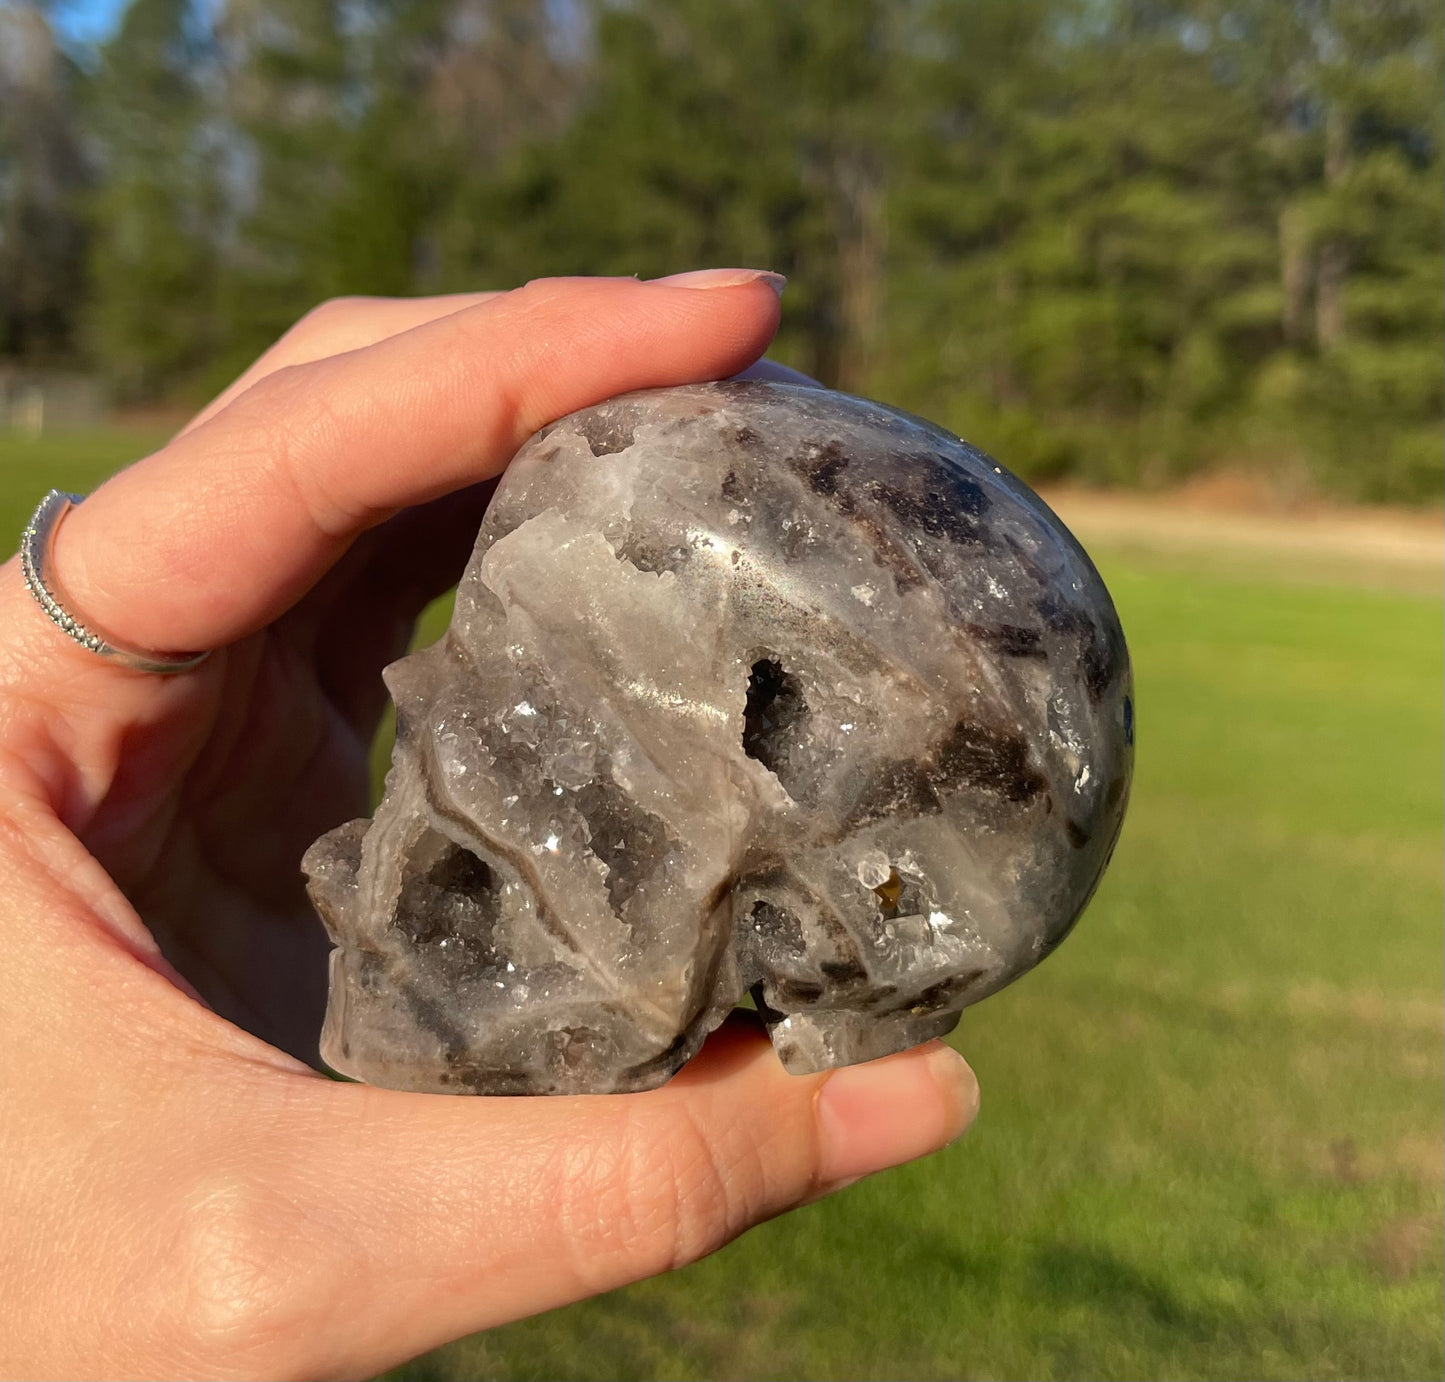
(225, 528)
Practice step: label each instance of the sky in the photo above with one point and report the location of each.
(86, 21)
(81, 23)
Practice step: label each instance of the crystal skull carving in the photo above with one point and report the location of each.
(749, 688)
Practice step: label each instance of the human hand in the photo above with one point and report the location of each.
(180, 1196)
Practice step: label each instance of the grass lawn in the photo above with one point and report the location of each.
(1210, 1144)
(1211, 1139)
(75, 461)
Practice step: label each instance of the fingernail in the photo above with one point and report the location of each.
(893, 1110)
(723, 278)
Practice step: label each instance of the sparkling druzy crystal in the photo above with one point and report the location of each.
(750, 688)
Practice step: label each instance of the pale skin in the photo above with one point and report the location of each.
(179, 1195)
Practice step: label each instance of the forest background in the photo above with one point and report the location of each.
(1114, 240)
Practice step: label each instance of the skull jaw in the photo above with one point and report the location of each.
(380, 1038)
(385, 1035)
(810, 1042)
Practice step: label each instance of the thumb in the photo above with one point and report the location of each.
(428, 1218)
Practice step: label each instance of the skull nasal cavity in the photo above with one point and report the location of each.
(771, 718)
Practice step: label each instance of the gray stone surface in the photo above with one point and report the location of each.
(749, 688)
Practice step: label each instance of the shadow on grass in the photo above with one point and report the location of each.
(1065, 1274)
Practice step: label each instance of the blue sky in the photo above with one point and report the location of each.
(86, 21)
(83, 22)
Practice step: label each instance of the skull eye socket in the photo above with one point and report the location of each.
(448, 895)
(773, 718)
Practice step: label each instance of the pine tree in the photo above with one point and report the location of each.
(288, 80)
(721, 131)
(42, 180)
(1111, 238)
(159, 213)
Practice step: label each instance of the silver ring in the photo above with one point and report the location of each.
(34, 564)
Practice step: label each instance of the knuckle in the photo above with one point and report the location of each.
(281, 391)
(243, 1287)
(664, 1194)
(542, 301)
(299, 430)
(537, 294)
(329, 314)
(715, 1188)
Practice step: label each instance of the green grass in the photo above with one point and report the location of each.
(74, 461)
(1211, 1136)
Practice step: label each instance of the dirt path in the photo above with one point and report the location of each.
(1400, 542)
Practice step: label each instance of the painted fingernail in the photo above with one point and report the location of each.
(893, 1110)
(723, 278)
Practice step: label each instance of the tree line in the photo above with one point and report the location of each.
(1117, 239)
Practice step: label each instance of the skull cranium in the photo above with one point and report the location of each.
(749, 688)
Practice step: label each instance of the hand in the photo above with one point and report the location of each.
(180, 1196)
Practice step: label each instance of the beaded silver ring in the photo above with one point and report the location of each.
(34, 565)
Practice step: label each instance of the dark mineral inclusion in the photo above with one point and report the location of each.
(750, 688)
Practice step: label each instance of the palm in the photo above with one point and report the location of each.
(253, 531)
(275, 733)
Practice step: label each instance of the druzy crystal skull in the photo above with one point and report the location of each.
(749, 688)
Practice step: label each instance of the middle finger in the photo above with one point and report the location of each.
(333, 328)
